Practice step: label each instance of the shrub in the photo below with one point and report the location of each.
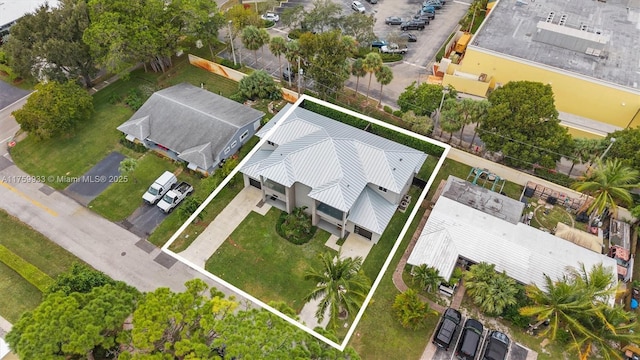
(228, 63)
(134, 99)
(363, 51)
(296, 227)
(410, 310)
(114, 99)
(79, 279)
(29, 272)
(259, 85)
(137, 147)
(554, 177)
(237, 97)
(387, 109)
(398, 113)
(295, 34)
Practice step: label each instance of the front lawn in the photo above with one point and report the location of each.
(17, 294)
(257, 260)
(121, 199)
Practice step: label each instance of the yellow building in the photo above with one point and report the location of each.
(587, 50)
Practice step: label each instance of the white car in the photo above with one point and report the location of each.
(271, 17)
(357, 6)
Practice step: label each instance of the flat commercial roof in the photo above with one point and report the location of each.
(12, 10)
(593, 38)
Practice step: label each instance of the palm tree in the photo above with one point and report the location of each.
(578, 303)
(384, 76)
(482, 109)
(450, 117)
(501, 292)
(292, 53)
(278, 46)
(585, 151)
(254, 38)
(371, 64)
(608, 184)
(127, 165)
(427, 277)
(358, 71)
(340, 284)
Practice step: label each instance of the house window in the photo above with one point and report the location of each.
(233, 144)
(331, 211)
(226, 151)
(274, 186)
(244, 135)
(382, 189)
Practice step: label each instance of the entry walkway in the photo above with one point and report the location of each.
(353, 246)
(223, 225)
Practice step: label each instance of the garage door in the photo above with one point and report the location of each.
(363, 232)
(255, 183)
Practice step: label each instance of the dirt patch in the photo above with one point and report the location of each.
(235, 245)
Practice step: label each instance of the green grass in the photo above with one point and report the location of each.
(120, 199)
(379, 334)
(16, 294)
(256, 259)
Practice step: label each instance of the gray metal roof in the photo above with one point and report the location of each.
(597, 39)
(523, 252)
(190, 120)
(336, 160)
(372, 211)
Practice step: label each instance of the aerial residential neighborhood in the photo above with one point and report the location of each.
(319, 179)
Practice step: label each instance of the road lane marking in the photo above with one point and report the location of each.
(416, 65)
(24, 196)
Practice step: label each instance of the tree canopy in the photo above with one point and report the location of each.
(626, 147)
(54, 109)
(259, 85)
(424, 98)
(48, 43)
(523, 124)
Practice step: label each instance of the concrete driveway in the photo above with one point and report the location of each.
(223, 225)
(88, 186)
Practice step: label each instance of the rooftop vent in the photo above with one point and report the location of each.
(563, 20)
(550, 16)
(584, 27)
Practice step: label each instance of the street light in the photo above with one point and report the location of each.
(233, 52)
(445, 91)
(607, 149)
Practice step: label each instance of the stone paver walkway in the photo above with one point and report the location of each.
(224, 224)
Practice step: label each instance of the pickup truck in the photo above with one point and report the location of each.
(172, 198)
(393, 49)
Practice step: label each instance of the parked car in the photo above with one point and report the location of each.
(156, 191)
(497, 346)
(446, 328)
(378, 43)
(412, 25)
(435, 3)
(270, 16)
(357, 6)
(471, 338)
(393, 20)
(372, 1)
(394, 49)
(428, 9)
(174, 197)
(424, 16)
(288, 74)
(409, 37)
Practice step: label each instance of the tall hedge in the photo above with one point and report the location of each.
(29, 272)
(381, 131)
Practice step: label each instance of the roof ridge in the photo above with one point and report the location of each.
(195, 109)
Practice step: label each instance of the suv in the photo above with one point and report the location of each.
(471, 336)
(357, 6)
(413, 25)
(447, 328)
(497, 347)
(425, 16)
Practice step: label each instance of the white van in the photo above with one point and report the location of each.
(156, 191)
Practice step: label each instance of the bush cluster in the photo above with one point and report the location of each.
(29, 272)
(295, 227)
(137, 147)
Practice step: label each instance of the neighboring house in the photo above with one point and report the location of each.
(187, 123)
(473, 224)
(344, 176)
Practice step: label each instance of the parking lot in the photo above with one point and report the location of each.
(516, 351)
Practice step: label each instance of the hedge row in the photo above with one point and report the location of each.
(29, 272)
(381, 131)
(554, 177)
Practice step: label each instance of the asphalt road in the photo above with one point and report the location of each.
(97, 241)
(8, 124)
(10, 94)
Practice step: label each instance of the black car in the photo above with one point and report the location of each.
(409, 37)
(372, 1)
(413, 25)
(497, 347)
(393, 20)
(288, 74)
(447, 328)
(471, 338)
(378, 43)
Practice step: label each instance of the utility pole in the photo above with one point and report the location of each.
(299, 76)
(233, 52)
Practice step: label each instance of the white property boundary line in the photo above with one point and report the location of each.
(224, 182)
